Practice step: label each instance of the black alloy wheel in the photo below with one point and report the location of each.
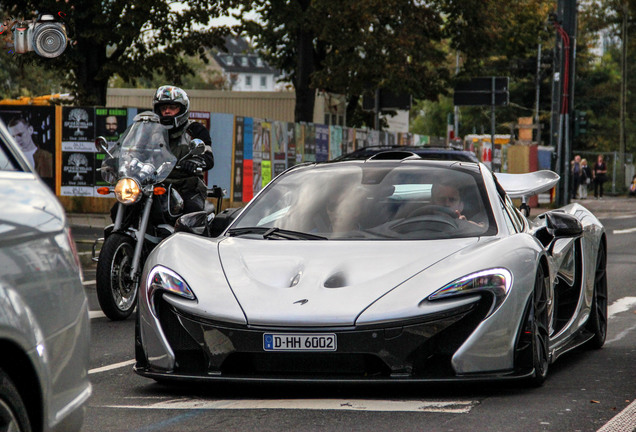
(597, 322)
(533, 346)
(116, 290)
(13, 413)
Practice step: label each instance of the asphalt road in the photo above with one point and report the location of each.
(584, 391)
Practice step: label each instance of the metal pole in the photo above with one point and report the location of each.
(456, 111)
(376, 110)
(538, 92)
(492, 122)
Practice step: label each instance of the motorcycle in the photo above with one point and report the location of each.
(146, 210)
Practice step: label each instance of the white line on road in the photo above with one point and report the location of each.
(625, 231)
(451, 407)
(89, 282)
(111, 367)
(621, 305)
(96, 314)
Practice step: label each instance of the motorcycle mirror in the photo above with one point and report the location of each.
(102, 145)
(197, 146)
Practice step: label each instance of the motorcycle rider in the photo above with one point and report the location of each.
(172, 105)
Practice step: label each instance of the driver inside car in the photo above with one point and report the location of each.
(446, 194)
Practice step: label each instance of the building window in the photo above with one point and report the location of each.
(228, 60)
(248, 80)
(259, 62)
(244, 61)
(263, 82)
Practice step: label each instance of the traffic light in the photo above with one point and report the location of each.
(580, 123)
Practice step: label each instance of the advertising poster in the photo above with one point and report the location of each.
(310, 142)
(33, 129)
(373, 139)
(110, 122)
(291, 144)
(257, 156)
(237, 185)
(361, 138)
(202, 117)
(222, 133)
(335, 142)
(266, 153)
(300, 142)
(280, 141)
(248, 162)
(78, 151)
(322, 142)
(78, 173)
(348, 141)
(78, 129)
(266, 171)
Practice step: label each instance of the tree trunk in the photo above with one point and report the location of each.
(305, 94)
(91, 83)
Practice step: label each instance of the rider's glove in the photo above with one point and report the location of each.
(193, 165)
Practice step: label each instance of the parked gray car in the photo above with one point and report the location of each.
(44, 323)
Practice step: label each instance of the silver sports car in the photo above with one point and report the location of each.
(386, 269)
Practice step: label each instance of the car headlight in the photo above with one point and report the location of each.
(127, 191)
(161, 278)
(496, 281)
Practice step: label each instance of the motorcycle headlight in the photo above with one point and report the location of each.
(127, 191)
(163, 279)
(497, 281)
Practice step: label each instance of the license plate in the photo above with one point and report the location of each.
(299, 342)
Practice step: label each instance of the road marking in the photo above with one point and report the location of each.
(89, 282)
(621, 305)
(96, 314)
(111, 367)
(450, 407)
(623, 421)
(624, 231)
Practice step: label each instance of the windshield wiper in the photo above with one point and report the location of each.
(274, 233)
(247, 230)
(290, 235)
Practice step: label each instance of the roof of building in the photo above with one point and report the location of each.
(241, 58)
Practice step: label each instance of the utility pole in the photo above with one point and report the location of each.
(563, 94)
(623, 113)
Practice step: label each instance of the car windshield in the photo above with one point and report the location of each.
(358, 201)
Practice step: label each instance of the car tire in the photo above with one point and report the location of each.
(533, 351)
(116, 292)
(597, 322)
(13, 413)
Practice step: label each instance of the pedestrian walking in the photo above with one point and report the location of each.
(585, 179)
(575, 169)
(600, 176)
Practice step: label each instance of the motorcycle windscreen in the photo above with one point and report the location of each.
(144, 153)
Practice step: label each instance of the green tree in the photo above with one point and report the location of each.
(350, 48)
(130, 39)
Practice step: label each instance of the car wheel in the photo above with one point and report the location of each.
(597, 322)
(116, 290)
(533, 348)
(13, 414)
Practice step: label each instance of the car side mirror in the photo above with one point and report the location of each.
(193, 223)
(562, 225)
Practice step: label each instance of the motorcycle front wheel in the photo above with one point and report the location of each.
(116, 290)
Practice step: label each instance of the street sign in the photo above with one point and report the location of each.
(483, 84)
(388, 100)
(479, 91)
(480, 98)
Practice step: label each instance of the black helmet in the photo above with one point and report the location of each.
(166, 95)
